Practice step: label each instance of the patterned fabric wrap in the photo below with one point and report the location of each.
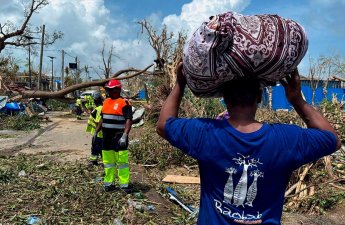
(232, 46)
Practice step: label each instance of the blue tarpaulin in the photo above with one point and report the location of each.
(142, 94)
(13, 106)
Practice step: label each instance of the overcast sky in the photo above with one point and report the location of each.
(87, 23)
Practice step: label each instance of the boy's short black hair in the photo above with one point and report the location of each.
(241, 92)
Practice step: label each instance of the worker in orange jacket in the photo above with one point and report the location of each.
(115, 124)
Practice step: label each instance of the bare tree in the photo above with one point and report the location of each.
(16, 36)
(107, 60)
(168, 50)
(324, 68)
(314, 75)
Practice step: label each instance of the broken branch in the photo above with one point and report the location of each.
(60, 95)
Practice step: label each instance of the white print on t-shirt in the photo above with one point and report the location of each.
(229, 186)
(116, 106)
(239, 217)
(242, 194)
(252, 190)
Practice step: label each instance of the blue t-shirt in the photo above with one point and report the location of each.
(244, 175)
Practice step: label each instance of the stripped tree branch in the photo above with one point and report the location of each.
(61, 94)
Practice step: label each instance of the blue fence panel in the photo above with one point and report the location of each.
(307, 93)
(319, 96)
(339, 92)
(279, 100)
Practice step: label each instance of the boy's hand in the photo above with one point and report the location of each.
(292, 86)
(180, 78)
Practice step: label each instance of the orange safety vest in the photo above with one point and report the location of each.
(112, 114)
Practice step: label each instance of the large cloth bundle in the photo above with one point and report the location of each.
(232, 46)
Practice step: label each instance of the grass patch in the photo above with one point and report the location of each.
(19, 122)
(324, 200)
(6, 136)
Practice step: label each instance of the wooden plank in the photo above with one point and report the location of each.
(181, 179)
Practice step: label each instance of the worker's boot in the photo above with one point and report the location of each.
(127, 190)
(93, 160)
(109, 188)
(93, 163)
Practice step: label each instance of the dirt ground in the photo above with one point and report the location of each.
(63, 134)
(64, 139)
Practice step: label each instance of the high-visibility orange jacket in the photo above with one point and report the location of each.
(113, 114)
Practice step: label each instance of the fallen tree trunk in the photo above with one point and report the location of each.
(60, 95)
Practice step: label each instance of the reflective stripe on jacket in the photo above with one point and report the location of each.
(112, 114)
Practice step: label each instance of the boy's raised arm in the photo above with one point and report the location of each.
(172, 103)
(310, 116)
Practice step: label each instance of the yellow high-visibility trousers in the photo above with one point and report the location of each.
(116, 160)
(123, 168)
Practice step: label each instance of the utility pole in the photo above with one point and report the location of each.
(77, 70)
(30, 67)
(29, 38)
(41, 59)
(62, 69)
(52, 59)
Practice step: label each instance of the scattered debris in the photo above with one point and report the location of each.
(135, 141)
(22, 173)
(34, 220)
(139, 124)
(117, 221)
(137, 205)
(98, 179)
(181, 179)
(140, 206)
(174, 197)
(138, 115)
(139, 195)
(3, 100)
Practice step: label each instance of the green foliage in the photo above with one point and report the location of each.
(8, 68)
(56, 105)
(326, 199)
(5, 175)
(200, 107)
(19, 122)
(71, 80)
(152, 149)
(330, 107)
